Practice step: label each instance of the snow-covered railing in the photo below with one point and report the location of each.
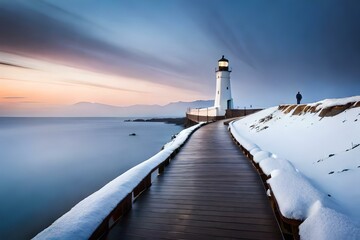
(209, 111)
(96, 214)
(288, 226)
(196, 118)
(302, 210)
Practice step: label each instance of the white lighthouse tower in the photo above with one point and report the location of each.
(223, 99)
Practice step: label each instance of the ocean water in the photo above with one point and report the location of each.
(47, 165)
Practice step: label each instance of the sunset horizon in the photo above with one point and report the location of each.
(138, 52)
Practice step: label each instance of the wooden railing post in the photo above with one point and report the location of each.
(161, 168)
(123, 207)
(164, 164)
(142, 186)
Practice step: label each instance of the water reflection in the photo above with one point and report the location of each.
(47, 165)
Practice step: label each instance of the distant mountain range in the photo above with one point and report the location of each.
(86, 109)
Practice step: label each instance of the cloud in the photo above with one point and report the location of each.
(35, 81)
(225, 35)
(73, 17)
(48, 31)
(280, 44)
(71, 82)
(12, 65)
(84, 83)
(286, 36)
(30, 102)
(13, 97)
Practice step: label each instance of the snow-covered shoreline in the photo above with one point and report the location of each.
(300, 154)
(84, 218)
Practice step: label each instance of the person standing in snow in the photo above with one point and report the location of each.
(298, 97)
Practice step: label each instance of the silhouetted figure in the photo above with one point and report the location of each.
(298, 98)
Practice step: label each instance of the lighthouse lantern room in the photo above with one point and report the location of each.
(223, 64)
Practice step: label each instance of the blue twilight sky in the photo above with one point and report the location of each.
(275, 48)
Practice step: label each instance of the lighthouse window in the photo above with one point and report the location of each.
(223, 64)
(227, 88)
(218, 92)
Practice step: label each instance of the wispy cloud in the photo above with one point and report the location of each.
(227, 36)
(11, 97)
(287, 44)
(53, 33)
(282, 36)
(68, 82)
(30, 102)
(12, 65)
(91, 84)
(71, 15)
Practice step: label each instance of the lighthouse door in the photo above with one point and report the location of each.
(229, 104)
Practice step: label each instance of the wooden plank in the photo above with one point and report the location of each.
(210, 190)
(203, 218)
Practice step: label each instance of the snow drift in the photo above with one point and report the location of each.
(311, 154)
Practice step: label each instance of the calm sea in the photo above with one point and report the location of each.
(47, 165)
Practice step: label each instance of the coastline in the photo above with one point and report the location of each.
(176, 121)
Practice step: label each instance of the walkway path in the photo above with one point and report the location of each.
(209, 191)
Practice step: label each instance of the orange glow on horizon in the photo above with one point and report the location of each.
(36, 81)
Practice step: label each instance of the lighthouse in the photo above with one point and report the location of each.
(223, 99)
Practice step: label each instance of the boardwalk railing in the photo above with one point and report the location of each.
(96, 214)
(289, 227)
(196, 115)
(125, 204)
(210, 192)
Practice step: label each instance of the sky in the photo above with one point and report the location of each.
(127, 52)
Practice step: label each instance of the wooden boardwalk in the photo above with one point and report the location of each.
(209, 191)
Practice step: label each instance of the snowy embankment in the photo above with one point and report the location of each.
(311, 154)
(84, 218)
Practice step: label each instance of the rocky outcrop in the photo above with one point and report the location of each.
(323, 111)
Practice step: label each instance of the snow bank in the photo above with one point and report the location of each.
(270, 164)
(261, 155)
(327, 103)
(294, 194)
(325, 223)
(83, 219)
(315, 178)
(243, 141)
